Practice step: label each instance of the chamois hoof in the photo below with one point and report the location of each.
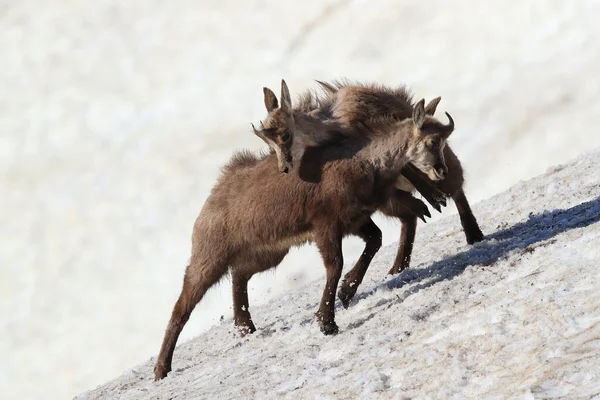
(160, 372)
(345, 294)
(395, 271)
(437, 202)
(330, 329)
(441, 202)
(246, 329)
(420, 209)
(474, 237)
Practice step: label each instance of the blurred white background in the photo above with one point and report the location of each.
(116, 116)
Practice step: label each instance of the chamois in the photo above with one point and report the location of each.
(282, 143)
(352, 104)
(293, 146)
(254, 214)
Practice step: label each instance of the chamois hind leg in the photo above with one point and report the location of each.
(371, 234)
(241, 272)
(467, 219)
(329, 243)
(241, 313)
(197, 280)
(453, 185)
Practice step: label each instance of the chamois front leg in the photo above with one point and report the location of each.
(329, 243)
(403, 203)
(428, 189)
(371, 234)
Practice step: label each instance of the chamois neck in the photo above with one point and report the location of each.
(313, 132)
(388, 147)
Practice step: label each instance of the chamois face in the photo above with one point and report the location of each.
(428, 140)
(278, 129)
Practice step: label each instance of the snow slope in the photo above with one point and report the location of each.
(516, 316)
(115, 117)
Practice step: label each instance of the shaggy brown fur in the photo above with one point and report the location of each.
(305, 135)
(254, 215)
(354, 103)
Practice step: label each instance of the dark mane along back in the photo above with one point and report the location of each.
(243, 159)
(391, 100)
(311, 101)
(307, 101)
(382, 124)
(401, 92)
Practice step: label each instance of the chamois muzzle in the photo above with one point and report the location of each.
(286, 165)
(441, 171)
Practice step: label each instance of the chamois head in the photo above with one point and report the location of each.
(428, 140)
(278, 128)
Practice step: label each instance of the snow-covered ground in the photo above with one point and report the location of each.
(516, 316)
(115, 117)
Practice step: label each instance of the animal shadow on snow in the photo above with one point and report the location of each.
(537, 228)
(497, 245)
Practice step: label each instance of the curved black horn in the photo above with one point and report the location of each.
(450, 126)
(260, 133)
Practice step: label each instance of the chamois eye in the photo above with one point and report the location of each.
(286, 136)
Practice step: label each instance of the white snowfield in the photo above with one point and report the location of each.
(515, 316)
(115, 117)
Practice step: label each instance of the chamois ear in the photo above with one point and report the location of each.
(286, 99)
(419, 113)
(270, 99)
(432, 105)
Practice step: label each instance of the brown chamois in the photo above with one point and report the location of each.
(254, 214)
(354, 103)
(282, 143)
(293, 140)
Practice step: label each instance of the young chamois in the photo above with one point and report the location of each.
(296, 139)
(254, 213)
(282, 143)
(352, 105)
